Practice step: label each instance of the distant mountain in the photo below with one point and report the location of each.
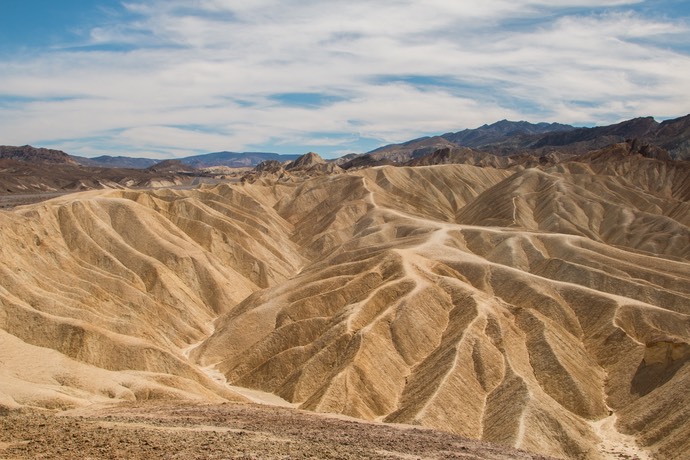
(600, 136)
(106, 161)
(501, 131)
(234, 159)
(674, 136)
(231, 159)
(509, 138)
(501, 138)
(27, 153)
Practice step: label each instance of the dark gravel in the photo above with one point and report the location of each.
(239, 431)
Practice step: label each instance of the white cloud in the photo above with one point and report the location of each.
(217, 65)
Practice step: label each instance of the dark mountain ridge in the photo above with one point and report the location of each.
(508, 138)
(501, 131)
(630, 129)
(674, 136)
(27, 153)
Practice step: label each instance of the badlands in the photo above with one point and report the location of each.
(545, 309)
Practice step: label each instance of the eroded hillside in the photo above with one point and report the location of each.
(532, 308)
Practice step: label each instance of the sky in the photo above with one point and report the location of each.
(173, 78)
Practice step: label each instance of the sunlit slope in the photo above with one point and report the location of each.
(124, 281)
(437, 314)
(642, 205)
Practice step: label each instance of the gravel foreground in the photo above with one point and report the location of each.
(226, 431)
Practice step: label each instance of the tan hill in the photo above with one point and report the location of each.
(312, 164)
(306, 161)
(308, 165)
(118, 284)
(546, 309)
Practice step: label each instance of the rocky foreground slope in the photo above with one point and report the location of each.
(178, 430)
(545, 309)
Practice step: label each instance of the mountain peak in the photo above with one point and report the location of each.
(306, 161)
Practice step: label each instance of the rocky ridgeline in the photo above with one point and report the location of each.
(28, 153)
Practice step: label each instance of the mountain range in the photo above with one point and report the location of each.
(230, 159)
(503, 138)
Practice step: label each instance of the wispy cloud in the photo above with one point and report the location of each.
(284, 75)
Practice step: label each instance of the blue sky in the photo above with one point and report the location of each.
(171, 78)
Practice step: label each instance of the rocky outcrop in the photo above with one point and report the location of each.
(306, 161)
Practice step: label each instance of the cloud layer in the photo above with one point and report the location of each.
(164, 79)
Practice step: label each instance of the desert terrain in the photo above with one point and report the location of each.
(163, 430)
(545, 309)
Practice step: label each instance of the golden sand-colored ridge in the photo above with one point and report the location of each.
(522, 306)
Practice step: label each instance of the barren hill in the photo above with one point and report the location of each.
(546, 309)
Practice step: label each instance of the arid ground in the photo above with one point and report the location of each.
(198, 431)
